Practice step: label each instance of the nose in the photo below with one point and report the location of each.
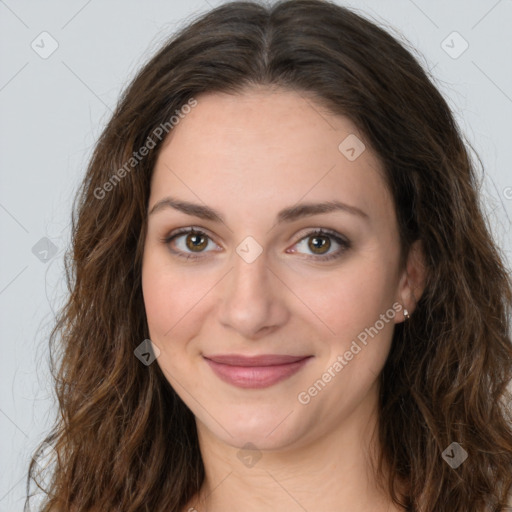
(252, 299)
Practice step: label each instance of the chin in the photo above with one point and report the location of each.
(266, 430)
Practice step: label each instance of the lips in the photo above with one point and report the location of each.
(263, 360)
(255, 371)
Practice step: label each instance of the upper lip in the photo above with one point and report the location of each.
(261, 360)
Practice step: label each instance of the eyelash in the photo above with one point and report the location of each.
(343, 242)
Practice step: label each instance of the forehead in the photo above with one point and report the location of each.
(267, 147)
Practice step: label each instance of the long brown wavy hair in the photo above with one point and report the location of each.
(123, 440)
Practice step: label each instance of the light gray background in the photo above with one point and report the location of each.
(53, 109)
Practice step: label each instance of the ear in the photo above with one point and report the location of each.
(412, 280)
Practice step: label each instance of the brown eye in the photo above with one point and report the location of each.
(196, 242)
(190, 243)
(319, 244)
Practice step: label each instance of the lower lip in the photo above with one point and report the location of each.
(255, 377)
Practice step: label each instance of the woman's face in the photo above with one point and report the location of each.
(315, 312)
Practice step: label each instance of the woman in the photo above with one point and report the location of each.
(284, 294)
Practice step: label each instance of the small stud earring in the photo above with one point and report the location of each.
(406, 314)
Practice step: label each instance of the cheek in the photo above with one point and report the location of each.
(171, 317)
(160, 304)
(359, 339)
(351, 298)
(174, 300)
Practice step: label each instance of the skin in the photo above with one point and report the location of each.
(249, 156)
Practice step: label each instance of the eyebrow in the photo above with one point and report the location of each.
(286, 215)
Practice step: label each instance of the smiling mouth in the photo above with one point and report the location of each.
(255, 371)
